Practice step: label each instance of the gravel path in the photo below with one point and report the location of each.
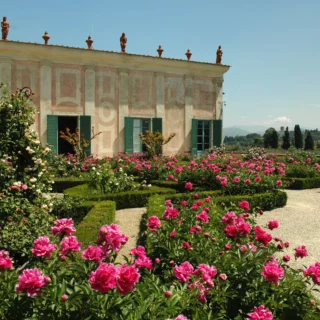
(129, 222)
(299, 223)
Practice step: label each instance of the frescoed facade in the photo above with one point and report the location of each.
(119, 95)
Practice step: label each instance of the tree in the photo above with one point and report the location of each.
(154, 142)
(286, 140)
(298, 139)
(308, 142)
(271, 138)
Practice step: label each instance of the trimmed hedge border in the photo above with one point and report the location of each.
(61, 184)
(303, 183)
(123, 200)
(265, 201)
(102, 213)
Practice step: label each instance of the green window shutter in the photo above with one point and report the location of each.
(52, 132)
(194, 137)
(157, 125)
(217, 133)
(128, 135)
(85, 130)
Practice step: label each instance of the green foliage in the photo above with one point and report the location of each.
(303, 183)
(129, 199)
(286, 140)
(154, 142)
(79, 143)
(308, 142)
(61, 184)
(271, 138)
(298, 139)
(105, 180)
(102, 213)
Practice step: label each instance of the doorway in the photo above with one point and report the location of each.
(64, 122)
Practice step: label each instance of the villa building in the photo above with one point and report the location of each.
(119, 95)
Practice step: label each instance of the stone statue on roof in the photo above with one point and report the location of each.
(219, 55)
(5, 28)
(123, 42)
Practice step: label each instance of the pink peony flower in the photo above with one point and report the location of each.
(24, 187)
(64, 297)
(168, 294)
(273, 224)
(262, 236)
(223, 276)
(181, 317)
(31, 281)
(314, 272)
(247, 181)
(231, 231)
(229, 218)
(112, 237)
(236, 180)
(144, 262)
(203, 216)
(184, 203)
(196, 229)
(279, 183)
(258, 178)
(127, 277)
(42, 247)
(301, 252)
(140, 251)
(184, 271)
(260, 313)
(104, 278)
(273, 272)
(168, 203)
(154, 223)
(94, 253)
(207, 273)
(228, 246)
(244, 205)
(63, 227)
(5, 261)
(186, 245)
(173, 234)
(69, 244)
(286, 258)
(170, 213)
(188, 186)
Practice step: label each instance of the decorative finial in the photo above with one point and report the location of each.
(123, 42)
(89, 42)
(219, 55)
(46, 38)
(188, 54)
(5, 26)
(160, 50)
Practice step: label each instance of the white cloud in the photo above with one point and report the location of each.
(244, 117)
(281, 120)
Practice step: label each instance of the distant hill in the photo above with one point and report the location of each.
(232, 132)
(243, 130)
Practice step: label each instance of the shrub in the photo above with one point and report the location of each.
(298, 139)
(308, 142)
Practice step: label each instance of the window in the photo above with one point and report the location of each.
(203, 142)
(139, 126)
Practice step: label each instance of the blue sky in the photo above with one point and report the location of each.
(273, 46)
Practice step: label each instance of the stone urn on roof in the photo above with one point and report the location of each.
(46, 38)
(188, 54)
(89, 42)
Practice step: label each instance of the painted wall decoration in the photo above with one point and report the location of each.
(204, 98)
(142, 93)
(174, 112)
(106, 111)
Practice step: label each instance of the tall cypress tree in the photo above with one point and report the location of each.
(308, 142)
(286, 140)
(298, 139)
